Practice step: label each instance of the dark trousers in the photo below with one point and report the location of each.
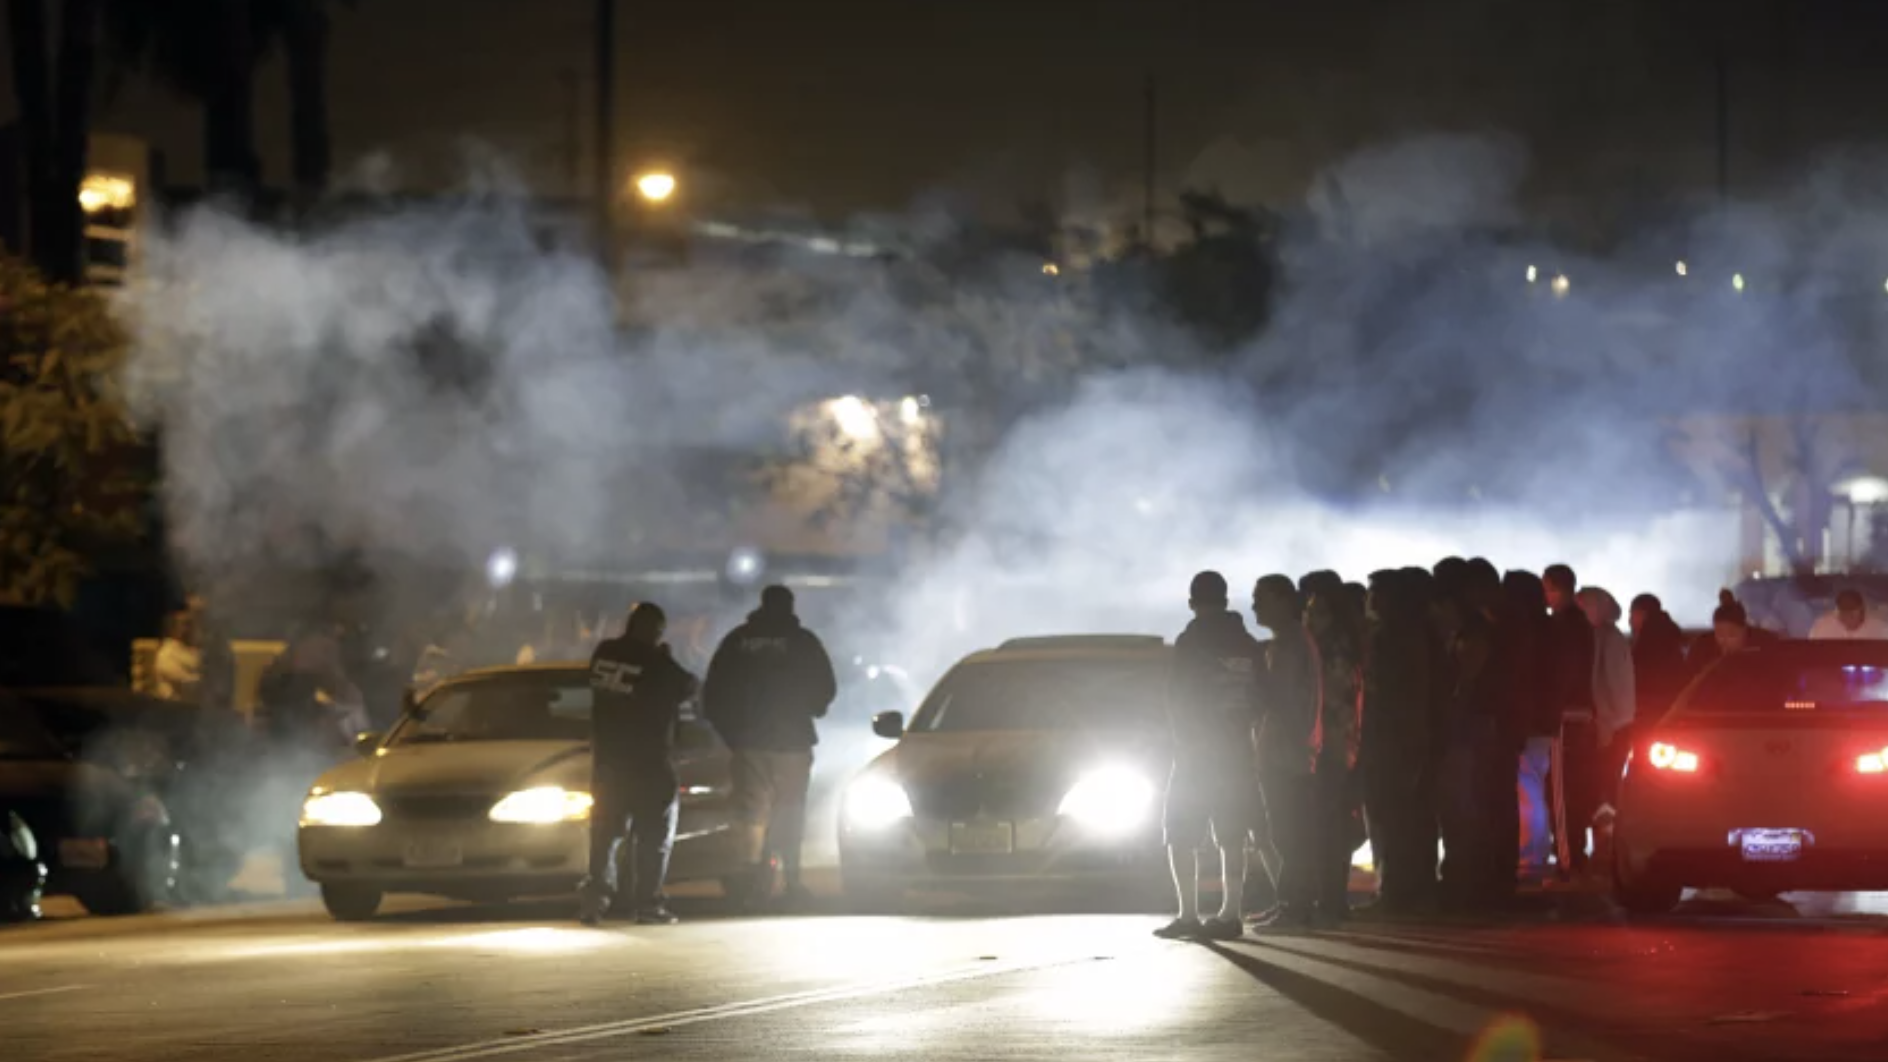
(1468, 818)
(1402, 820)
(1581, 790)
(643, 813)
(770, 790)
(1502, 781)
(1311, 827)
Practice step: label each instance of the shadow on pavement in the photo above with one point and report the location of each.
(1395, 1034)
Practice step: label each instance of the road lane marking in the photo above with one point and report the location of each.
(746, 1008)
(41, 992)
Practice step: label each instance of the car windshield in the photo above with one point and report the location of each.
(1761, 683)
(540, 706)
(21, 738)
(1081, 694)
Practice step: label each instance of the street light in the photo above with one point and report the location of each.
(656, 187)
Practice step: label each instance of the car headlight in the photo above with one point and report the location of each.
(875, 803)
(340, 809)
(1112, 799)
(543, 805)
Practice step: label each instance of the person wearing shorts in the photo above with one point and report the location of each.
(1210, 703)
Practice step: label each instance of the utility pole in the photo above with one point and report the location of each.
(1724, 117)
(1149, 146)
(605, 30)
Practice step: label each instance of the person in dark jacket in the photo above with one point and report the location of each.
(1467, 621)
(1528, 634)
(1571, 653)
(1291, 700)
(1658, 657)
(1394, 754)
(1210, 700)
(767, 683)
(637, 693)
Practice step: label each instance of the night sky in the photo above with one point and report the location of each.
(843, 106)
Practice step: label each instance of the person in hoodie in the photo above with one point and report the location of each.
(1851, 621)
(1394, 753)
(637, 691)
(767, 683)
(1731, 633)
(1615, 698)
(1291, 698)
(1337, 631)
(1534, 714)
(1658, 657)
(1477, 776)
(1210, 698)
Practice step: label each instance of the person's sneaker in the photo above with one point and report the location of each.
(1224, 927)
(656, 916)
(1180, 929)
(590, 911)
(1262, 917)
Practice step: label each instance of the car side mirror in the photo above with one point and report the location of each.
(367, 741)
(889, 725)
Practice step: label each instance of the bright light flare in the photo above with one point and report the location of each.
(501, 568)
(543, 806)
(656, 187)
(340, 809)
(1872, 763)
(1111, 800)
(1050, 269)
(855, 418)
(1533, 274)
(1683, 270)
(910, 411)
(103, 191)
(1737, 281)
(1672, 758)
(1562, 285)
(875, 803)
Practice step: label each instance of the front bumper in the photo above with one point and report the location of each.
(919, 854)
(440, 857)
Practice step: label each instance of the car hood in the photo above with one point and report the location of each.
(468, 767)
(1049, 756)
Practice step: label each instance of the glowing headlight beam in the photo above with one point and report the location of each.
(340, 809)
(875, 803)
(543, 805)
(1111, 799)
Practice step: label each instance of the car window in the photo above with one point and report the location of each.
(1759, 683)
(1079, 694)
(527, 707)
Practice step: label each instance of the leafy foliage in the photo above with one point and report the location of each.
(68, 471)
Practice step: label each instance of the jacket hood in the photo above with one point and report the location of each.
(1600, 605)
(774, 619)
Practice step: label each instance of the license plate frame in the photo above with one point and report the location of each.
(1772, 845)
(983, 838)
(433, 853)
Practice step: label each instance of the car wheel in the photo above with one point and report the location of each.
(350, 903)
(144, 876)
(871, 895)
(1644, 896)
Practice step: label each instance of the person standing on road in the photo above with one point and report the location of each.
(1396, 740)
(1658, 657)
(1576, 764)
(769, 680)
(1291, 697)
(637, 692)
(1209, 791)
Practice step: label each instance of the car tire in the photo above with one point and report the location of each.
(871, 895)
(1644, 896)
(351, 903)
(143, 877)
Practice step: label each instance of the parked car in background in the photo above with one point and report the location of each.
(102, 837)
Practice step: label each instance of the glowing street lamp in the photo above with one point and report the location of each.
(1737, 281)
(656, 187)
(855, 419)
(1683, 269)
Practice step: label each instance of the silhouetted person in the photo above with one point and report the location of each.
(637, 693)
(1531, 720)
(1658, 657)
(1571, 646)
(1397, 739)
(1210, 703)
(1337, 633)
(1851, 621)
(1731, 633)
(769, 680)
(1477, 776)
(1290, 711)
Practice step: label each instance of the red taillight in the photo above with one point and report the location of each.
(1667, 757)
(1872, 763)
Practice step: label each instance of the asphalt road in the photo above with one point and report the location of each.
(444, 984)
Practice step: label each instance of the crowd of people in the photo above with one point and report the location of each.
(1416, 700)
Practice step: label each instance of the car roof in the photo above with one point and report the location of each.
(1075, 647)
(1869, 652)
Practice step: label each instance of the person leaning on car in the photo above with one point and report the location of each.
(769, 680)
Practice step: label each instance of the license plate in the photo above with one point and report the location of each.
(982, 838)
(1771, 846)
(434, 854)
(85, 853)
